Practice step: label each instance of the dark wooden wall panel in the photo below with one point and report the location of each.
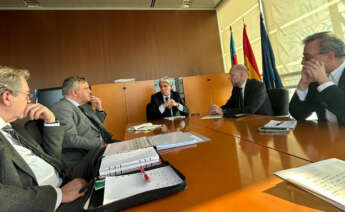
(107, 45)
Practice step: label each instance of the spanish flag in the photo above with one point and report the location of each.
(249, 59)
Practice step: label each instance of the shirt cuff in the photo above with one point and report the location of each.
(180, 107)
(58, 197)
(161, 108)
(325, 85)
(302, 94)
(54, 124)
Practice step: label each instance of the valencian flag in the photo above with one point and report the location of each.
(233, 55)
(270, 73)
(249, 59)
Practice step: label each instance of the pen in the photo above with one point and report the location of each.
(86, 187)
(279, 123)
(147, 178)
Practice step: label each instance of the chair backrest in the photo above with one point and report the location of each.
(280, 101)
(148, 112)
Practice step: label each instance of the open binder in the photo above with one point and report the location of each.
(131, 188)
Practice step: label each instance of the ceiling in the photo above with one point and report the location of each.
(110, 4)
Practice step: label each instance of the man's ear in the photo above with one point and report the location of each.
(74, 92)
(6, 98)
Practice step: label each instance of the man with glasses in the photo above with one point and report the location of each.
(322, 85)
(32, 176)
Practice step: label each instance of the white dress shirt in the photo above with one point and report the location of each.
(243, 86)
(334, 78)
(162, 108)
(45, 173)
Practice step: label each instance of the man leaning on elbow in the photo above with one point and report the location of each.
(322, 85)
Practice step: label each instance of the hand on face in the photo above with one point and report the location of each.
(315, 71)
(96, 102)
(38, 111)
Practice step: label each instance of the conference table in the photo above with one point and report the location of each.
(234, 170)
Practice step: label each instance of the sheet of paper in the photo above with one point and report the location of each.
(126, 146)
(171, 140)
(281, 124)
(174, 117)
(128, 161)
(120, 187)
(212, 117)
(325, 178)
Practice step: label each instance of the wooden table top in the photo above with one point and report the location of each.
(310, 141)
(230, 172)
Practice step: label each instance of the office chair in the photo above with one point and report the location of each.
(280, 101)
(148, 112)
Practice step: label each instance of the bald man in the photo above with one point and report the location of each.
(248, 96)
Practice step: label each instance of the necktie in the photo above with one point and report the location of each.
(240, 101)
(96, 124)
(12, 132)
(35, 150)
(171, 112)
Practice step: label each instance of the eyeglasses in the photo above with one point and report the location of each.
(307, 57)
(29, 96)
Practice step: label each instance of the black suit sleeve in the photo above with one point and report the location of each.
(155, 103)
(300, 110)
(335, 101)
(179, 100)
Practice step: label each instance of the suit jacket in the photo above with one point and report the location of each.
(81, 134)
(331, 98)
(157, 100)
(256, 100)
(19, 190)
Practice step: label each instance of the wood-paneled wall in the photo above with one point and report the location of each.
(107, 45)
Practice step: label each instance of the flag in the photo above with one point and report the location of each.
(233, 55)
(270, 73)
(249, 59)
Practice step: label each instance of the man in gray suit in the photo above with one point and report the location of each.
(84, 127)
(32, 175)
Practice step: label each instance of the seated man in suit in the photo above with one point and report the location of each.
(32, 176)
(248, 96)
(322, 85)
(84, 127)
(167, 103)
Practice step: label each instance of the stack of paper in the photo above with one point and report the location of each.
(145, 127)
(324, 179)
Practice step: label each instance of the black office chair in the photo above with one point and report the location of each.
(280, 101)
(149, 112)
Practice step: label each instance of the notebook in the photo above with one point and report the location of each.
(126, 162)
(324, 179)
(121, 187)
(161, 142)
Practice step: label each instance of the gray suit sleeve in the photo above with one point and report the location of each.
(29, 199)
(72, 139)
(52, 140)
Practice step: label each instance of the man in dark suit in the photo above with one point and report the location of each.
(32, 176)
(85, 128)
(248, 96)
(322, 85)
(167, 103)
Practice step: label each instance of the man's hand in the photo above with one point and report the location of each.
(215, 109)
(96, 102)
(173, 103)
(70, 191)
(38, 111)
(316, 71)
